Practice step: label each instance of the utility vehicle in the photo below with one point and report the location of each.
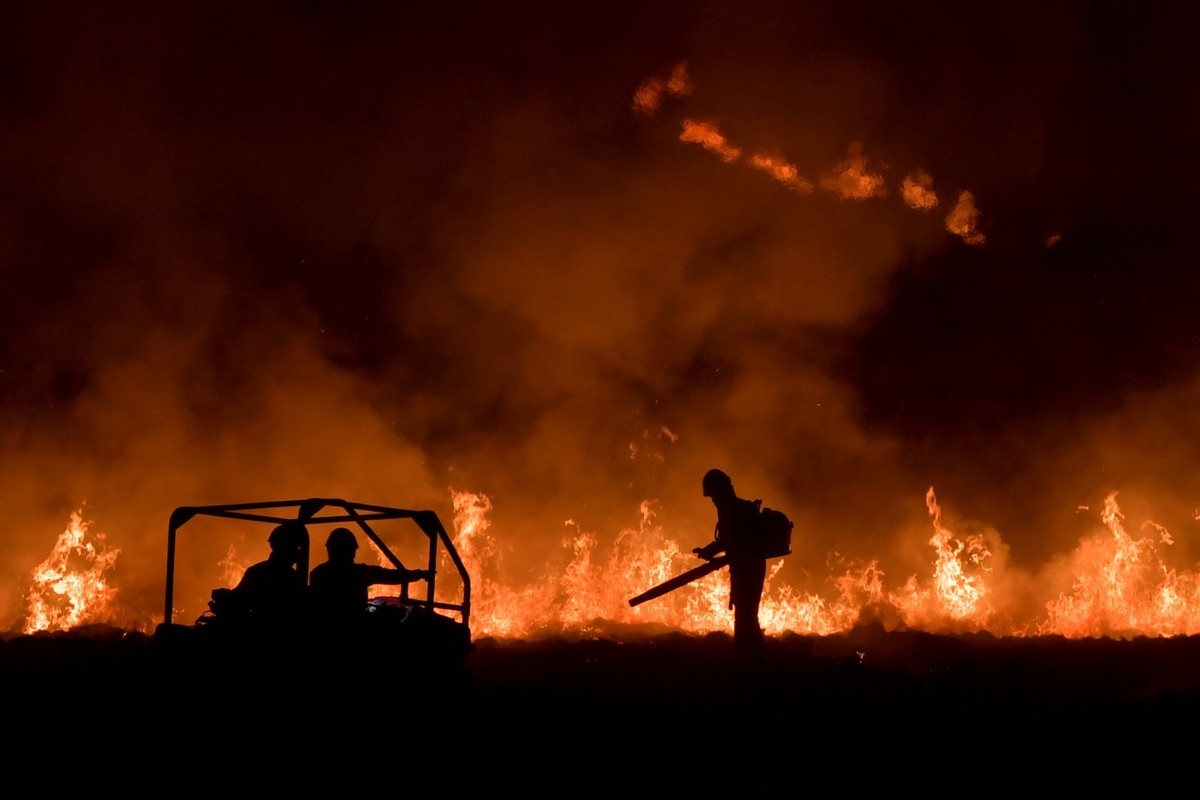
(419, 629)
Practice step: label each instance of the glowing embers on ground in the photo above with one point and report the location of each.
(69, 588)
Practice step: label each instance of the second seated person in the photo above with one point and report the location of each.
(338, 587)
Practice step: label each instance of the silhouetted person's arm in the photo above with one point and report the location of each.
(393, 577)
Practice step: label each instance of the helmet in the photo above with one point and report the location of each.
(287, 535)
(341, 539)
(716, 482)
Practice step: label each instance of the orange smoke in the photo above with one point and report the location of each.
(917, 190)
(649, 95)
(707, 136)
(963, 220)
(852, 179)
(781, 171)
(710, 138)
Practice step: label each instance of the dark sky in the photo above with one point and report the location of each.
(272, 250)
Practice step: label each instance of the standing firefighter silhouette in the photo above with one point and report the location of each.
(746, 536)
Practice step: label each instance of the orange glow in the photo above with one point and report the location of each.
(917, 190)
(963, 220)
(707, 136)
(852, 179)
(232, 567)
(69, 588)
(781, 171)
(649, 95)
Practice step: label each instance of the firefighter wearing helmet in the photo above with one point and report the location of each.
(339, 587)
(716, 482)
(736, 536)
(271, 591)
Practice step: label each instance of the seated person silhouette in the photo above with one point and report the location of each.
(271, 591)
(338, 587)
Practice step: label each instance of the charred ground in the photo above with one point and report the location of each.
(863, 711)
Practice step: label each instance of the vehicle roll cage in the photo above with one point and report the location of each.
(332, 511)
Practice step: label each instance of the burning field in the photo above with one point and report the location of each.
(871, 691)
(921, 276)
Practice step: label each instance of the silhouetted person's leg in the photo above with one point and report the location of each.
(747, 632)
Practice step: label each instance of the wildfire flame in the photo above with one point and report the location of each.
(959, 590)
(69, 588)
(232, 567)
(589, 590)
(1119, 586)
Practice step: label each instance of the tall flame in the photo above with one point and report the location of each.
(69, 588)
(1121, 587)
(502, 611)
(958, 591)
